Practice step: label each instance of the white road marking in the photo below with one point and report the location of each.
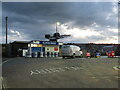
(4, 62)
(67, 68)
(43, 71)
(1, 80)
(76, 68)
(93, 77)
(116, 67)
(38, 71)
(61, 69)
(31, 72)
(54, 70)
(48, 71)
(116, 77)
(104, 77)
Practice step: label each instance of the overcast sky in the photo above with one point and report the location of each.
(94, 22)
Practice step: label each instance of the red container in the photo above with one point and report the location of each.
(112, 54)
(88, 54)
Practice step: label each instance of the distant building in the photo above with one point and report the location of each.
(12, 48)
(21, 48)
(92, 47)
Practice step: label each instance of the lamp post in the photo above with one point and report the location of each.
(6, 29)
(57, 23)
(6, 48)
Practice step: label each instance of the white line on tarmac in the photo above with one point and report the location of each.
(101, 77)
(116, 77)
(54, 70)
(6, 61)
(116, 67)
(43, 71)
(1, 80)
(61, 69)
(48, 71)
(93, 77)
(38, 71)
(31, 72)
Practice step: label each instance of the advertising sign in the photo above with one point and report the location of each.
(48, 43)
(55, 48)
(36, 49)
(34, 45)
(39, 45)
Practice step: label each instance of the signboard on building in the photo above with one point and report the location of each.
(36, 49)
(48, 43)
(49, 49)
(34, 45)
(55, 48)
(60, 43)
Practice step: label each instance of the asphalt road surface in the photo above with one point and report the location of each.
(60, 73)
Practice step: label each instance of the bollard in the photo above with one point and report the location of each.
(41, 54)
(45, 54)
(52, 54)
(49, 54)
(56, 54)
(35, 54)
(29, 55)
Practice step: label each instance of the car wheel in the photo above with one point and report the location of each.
(63, 57)
(73, 56)
(80, 56)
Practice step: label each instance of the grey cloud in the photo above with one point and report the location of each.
(36, 19)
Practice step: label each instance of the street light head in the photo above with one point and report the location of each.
(58, 23)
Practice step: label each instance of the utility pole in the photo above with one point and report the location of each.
(6, 47)
(6, 29)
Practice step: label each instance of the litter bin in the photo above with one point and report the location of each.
(41, 54)
(45, 54)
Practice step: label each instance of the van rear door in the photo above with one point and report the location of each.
(66, 50)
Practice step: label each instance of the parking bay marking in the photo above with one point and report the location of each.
(54, 70)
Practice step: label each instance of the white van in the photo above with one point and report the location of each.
(71, 51)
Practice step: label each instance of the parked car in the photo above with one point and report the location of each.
(71, 51)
